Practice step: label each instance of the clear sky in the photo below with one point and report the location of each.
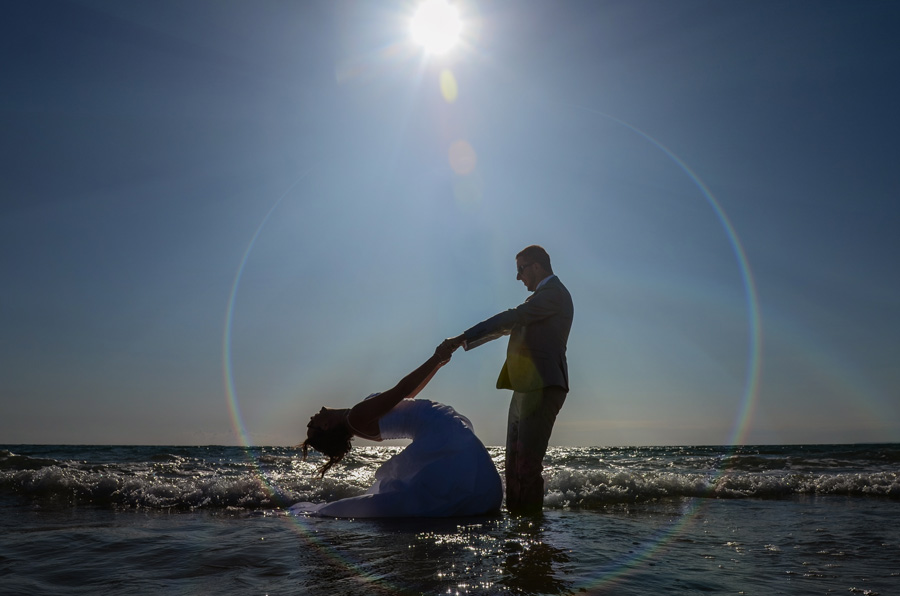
(217, 216)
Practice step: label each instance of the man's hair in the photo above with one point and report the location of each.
(536, 254)
(333, 444)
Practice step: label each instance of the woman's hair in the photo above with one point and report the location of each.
(333, 444)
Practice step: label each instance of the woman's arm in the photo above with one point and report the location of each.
(366, 413)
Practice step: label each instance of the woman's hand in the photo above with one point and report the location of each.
(445, 350)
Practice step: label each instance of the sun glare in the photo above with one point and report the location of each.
(436, 26)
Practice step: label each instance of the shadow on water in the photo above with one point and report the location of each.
(531, 564)
(491, 555)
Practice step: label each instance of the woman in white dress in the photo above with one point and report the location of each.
(444, 472)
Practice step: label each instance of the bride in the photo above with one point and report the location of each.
(444, 472)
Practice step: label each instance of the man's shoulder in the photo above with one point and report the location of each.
(553, 292)
(554, 283)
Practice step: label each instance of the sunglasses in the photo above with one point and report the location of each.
(521, 268)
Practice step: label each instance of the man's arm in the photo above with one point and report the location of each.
(542, 304)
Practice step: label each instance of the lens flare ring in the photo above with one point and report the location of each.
(655, 543)
(302, 525)
(751, 380)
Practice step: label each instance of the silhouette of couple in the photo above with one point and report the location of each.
(445, 470)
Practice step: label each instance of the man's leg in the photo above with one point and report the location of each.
(535, 414)
(512, 440)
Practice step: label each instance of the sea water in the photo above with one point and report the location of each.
(813, 519)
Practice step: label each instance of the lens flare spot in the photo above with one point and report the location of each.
(448, 86)
(468, 190)
(462, 158)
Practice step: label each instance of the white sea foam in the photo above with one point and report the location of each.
(575, 477)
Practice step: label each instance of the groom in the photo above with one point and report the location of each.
(535, 370)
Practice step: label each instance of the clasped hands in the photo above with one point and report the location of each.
(448, 346)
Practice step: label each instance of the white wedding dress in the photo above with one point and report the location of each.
(444, 472)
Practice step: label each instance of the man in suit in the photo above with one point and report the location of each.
(535, 370)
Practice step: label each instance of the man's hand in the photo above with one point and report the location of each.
(457, 341)
(445, 350)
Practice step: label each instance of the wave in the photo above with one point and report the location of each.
(162, 481)
(588, 489)
(183, 481)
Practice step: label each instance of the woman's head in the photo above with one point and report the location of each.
(329, 434)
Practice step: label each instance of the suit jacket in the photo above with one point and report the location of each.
(538, 330)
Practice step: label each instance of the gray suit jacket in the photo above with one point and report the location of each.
(538, 330)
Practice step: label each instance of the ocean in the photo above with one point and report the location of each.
(797, 519)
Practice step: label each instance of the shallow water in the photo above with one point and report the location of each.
(798, 546)
(142, 520)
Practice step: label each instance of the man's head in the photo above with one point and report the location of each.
(532, 266)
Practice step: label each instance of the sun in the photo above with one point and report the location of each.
(436, 26)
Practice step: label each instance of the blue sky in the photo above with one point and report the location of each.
(217, 216)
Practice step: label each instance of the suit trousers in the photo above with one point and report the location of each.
(530, 422)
